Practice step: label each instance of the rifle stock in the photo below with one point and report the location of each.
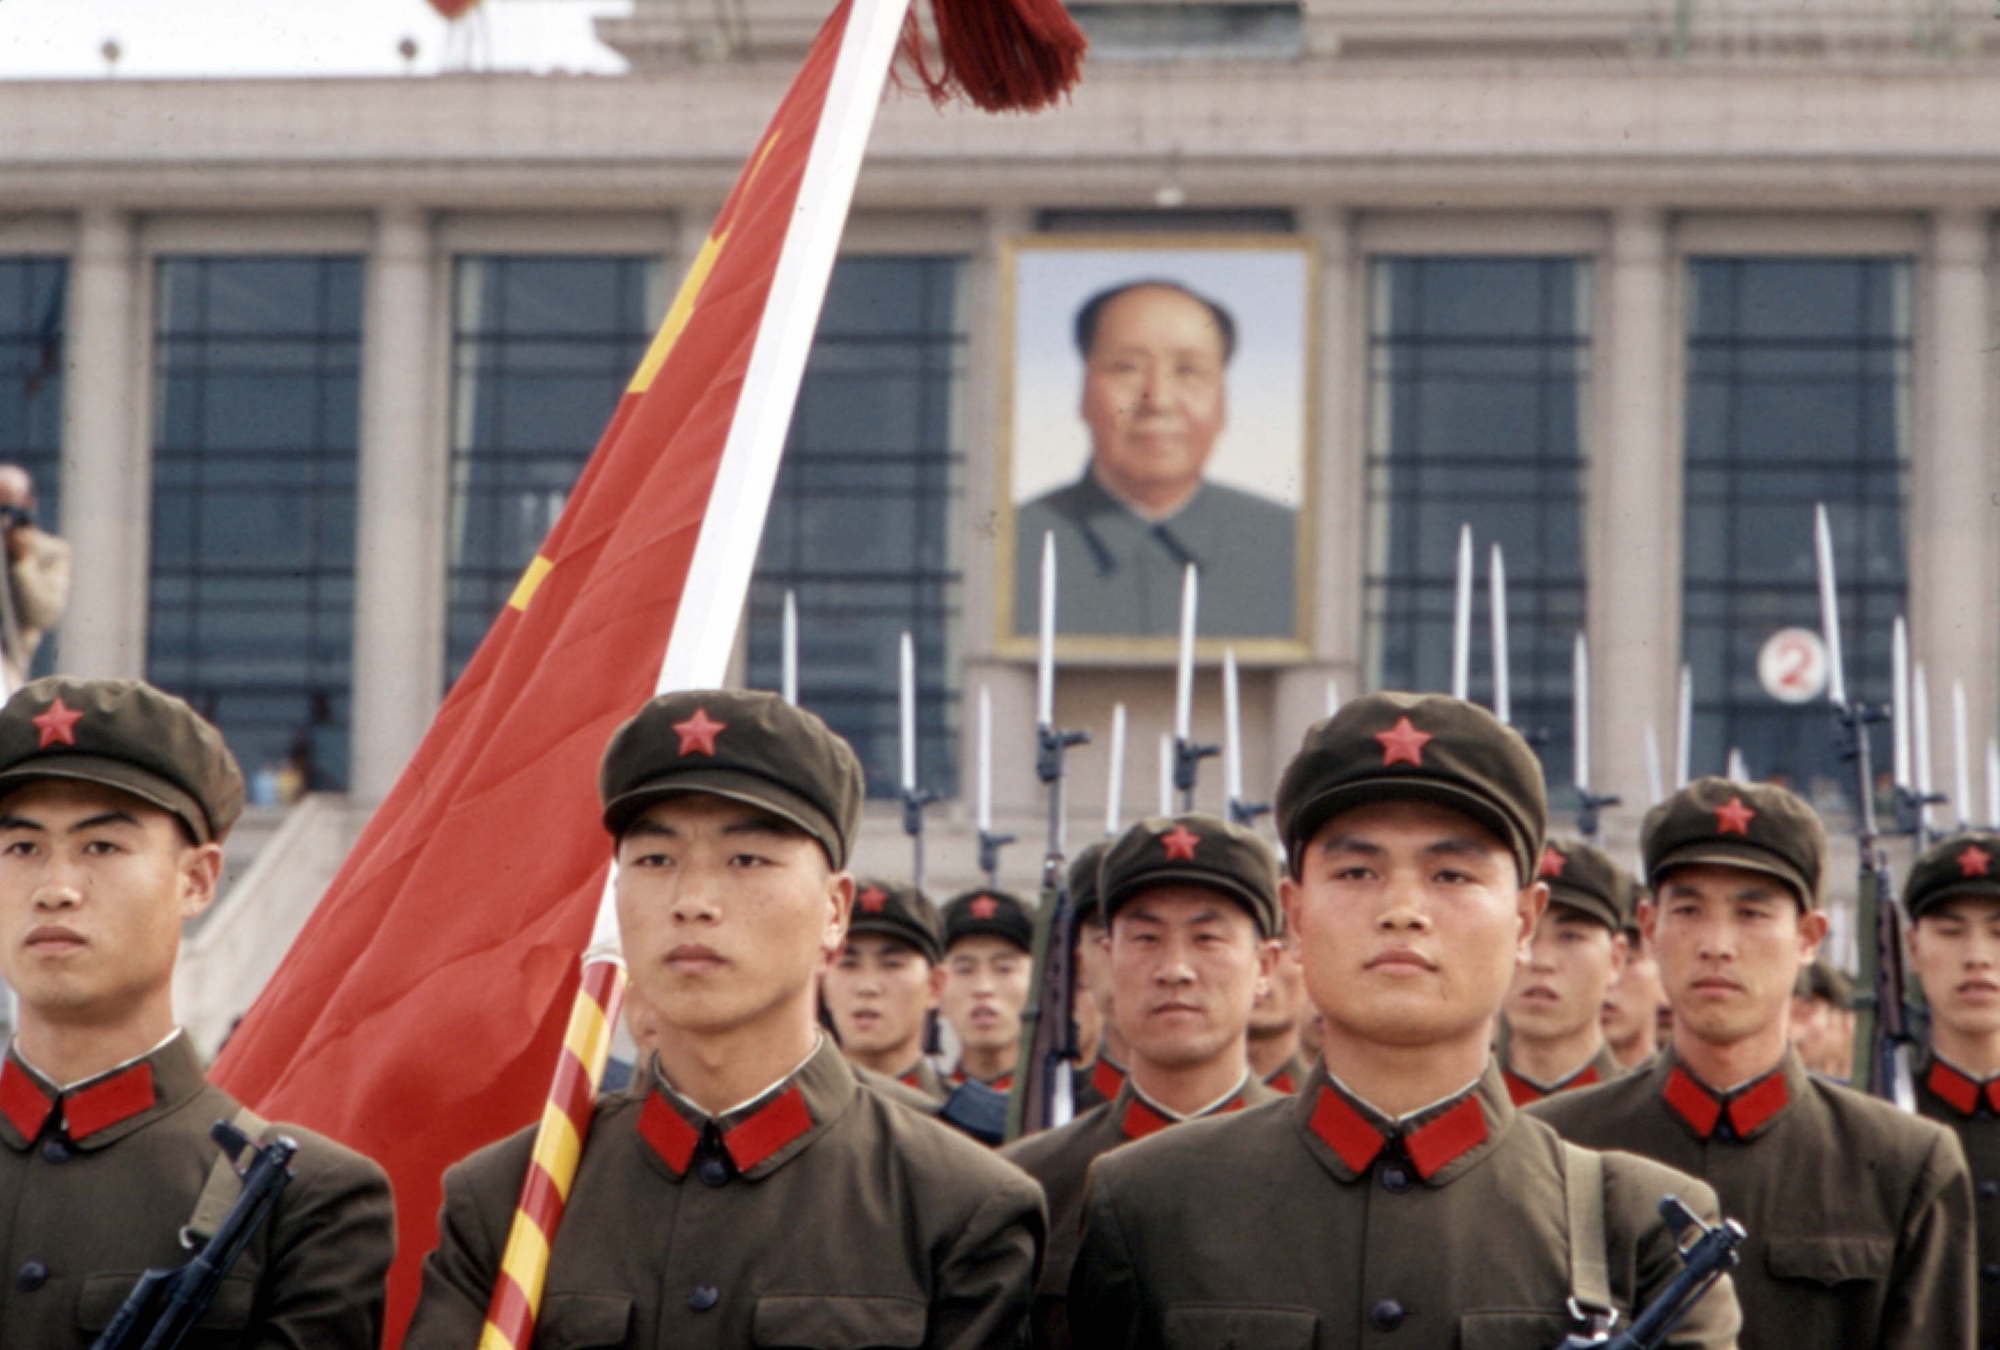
(1042, 1095)
(1703, 1262)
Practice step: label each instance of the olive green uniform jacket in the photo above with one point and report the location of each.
(924, 1077)
(85, 1213)
(1060, 1160)
(823, 1214)
(1860, 1215)
(1298, 1224)
(1602, 1068)
(1972, 1110)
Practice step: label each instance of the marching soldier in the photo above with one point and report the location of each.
(1635, 1005)
(1399, 1191)
(748, 1190)
(1823, 1020)
(1555, 1038)
(1276, 1055)
(1100, 1067)
(989, 940)
(1953, 901)
(114, 801)
(882, 987)
(1860, 1215)
(1192, 905)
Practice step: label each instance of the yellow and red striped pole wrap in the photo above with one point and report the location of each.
(524, 1263)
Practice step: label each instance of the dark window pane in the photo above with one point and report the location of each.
(256, 391)
(1798, 393)
(1477, 367)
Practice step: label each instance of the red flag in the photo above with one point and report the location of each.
(454, 9)
(418, 1013)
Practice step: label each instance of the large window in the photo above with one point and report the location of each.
(31, 385)
(256, 388)
(542, 348)
(1477, 369)
(1798, 392)
(859, 524)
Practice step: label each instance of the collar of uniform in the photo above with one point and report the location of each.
(1443, 1140)
(1287, 1076)
(1139, 1115)
(1522, 1089)
(1960, 1090)
(760, 1136)
(100, 1110)
(1107, 1077)
(1003, 1083)
(1749, 1109)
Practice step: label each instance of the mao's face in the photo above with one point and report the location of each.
(1153, 394)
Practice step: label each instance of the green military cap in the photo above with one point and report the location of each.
(1963, 864)
(893, 909)
(1635, 891)
(1083, 894)
(989, 912)
(746, 745)
(1431, 747)
(1198, 850)
(1758, 826)
(123, 734)
(1826, 983)
(1583, 877)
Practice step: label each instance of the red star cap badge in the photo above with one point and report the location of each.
(1179, 843)
(984, 907)
(1733, 817)
(1552, 862)
(873, 899)
(698, 733)
(57, 722)
(1403, 744)
(1973, 861)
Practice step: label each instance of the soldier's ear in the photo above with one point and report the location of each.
(1267, 962)
(1532, 901)
(840, 903)
(1812, 931)
(1288, 900)
(1649, 919)
(200, 875)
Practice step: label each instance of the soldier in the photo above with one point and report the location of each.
(1100, 1067)
(749, 1190)
(1859, 1214)
(1276, 1055)
(1823, 1020)
(989, 941)
(1555, 1037)
(1399, 1191)
(1636, 1002)
(114, 801)
(882, 987)
(1953, 901)
(1192, 904)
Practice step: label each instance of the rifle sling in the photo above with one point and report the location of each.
(1583, 1188)
(224, 1184)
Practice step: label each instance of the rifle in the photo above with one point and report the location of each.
(1588, 802)
(1188, 754)
(1703, 1262)
(165, 1304)
(1881, 1021)
(1042, 1097)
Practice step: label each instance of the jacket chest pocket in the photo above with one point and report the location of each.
(222, 1323)
(1828, 1261)
(1194, 1327)
(583, 1322)
(1513, 1330)
(838, 1322)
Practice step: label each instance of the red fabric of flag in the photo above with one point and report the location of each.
(454, 9)
(421, 1009)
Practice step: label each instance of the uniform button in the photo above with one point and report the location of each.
(1386, 1315)
(31, 1277)
(704, 1297)
(57, 1150)
(1396, 1177)
(1989, 1189)
(712, 1171)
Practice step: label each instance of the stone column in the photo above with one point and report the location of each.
(399, 562)
(106, 502)
(1632, 511)
(1952, 517)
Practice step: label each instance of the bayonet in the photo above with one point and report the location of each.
(1588, 803)
(914, 798)
(1461, 617)
(990, 843)
(1187, 754)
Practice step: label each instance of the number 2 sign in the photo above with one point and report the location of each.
(1792, 665)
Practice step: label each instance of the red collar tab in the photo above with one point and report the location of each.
(749, 1142)
(911, 1078)
(1141, 1120)
(22, 1100)
(86, 1111)
(1107, 1078)
(1281, 1081)
(1448, 1138)
(1525, 1090)
(1004, 1083)
(1954, 1088)
(1432, 1146)
(1749, 1110)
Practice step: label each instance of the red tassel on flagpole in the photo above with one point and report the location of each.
(999, 55)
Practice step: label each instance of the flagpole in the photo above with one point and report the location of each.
(705, 619)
